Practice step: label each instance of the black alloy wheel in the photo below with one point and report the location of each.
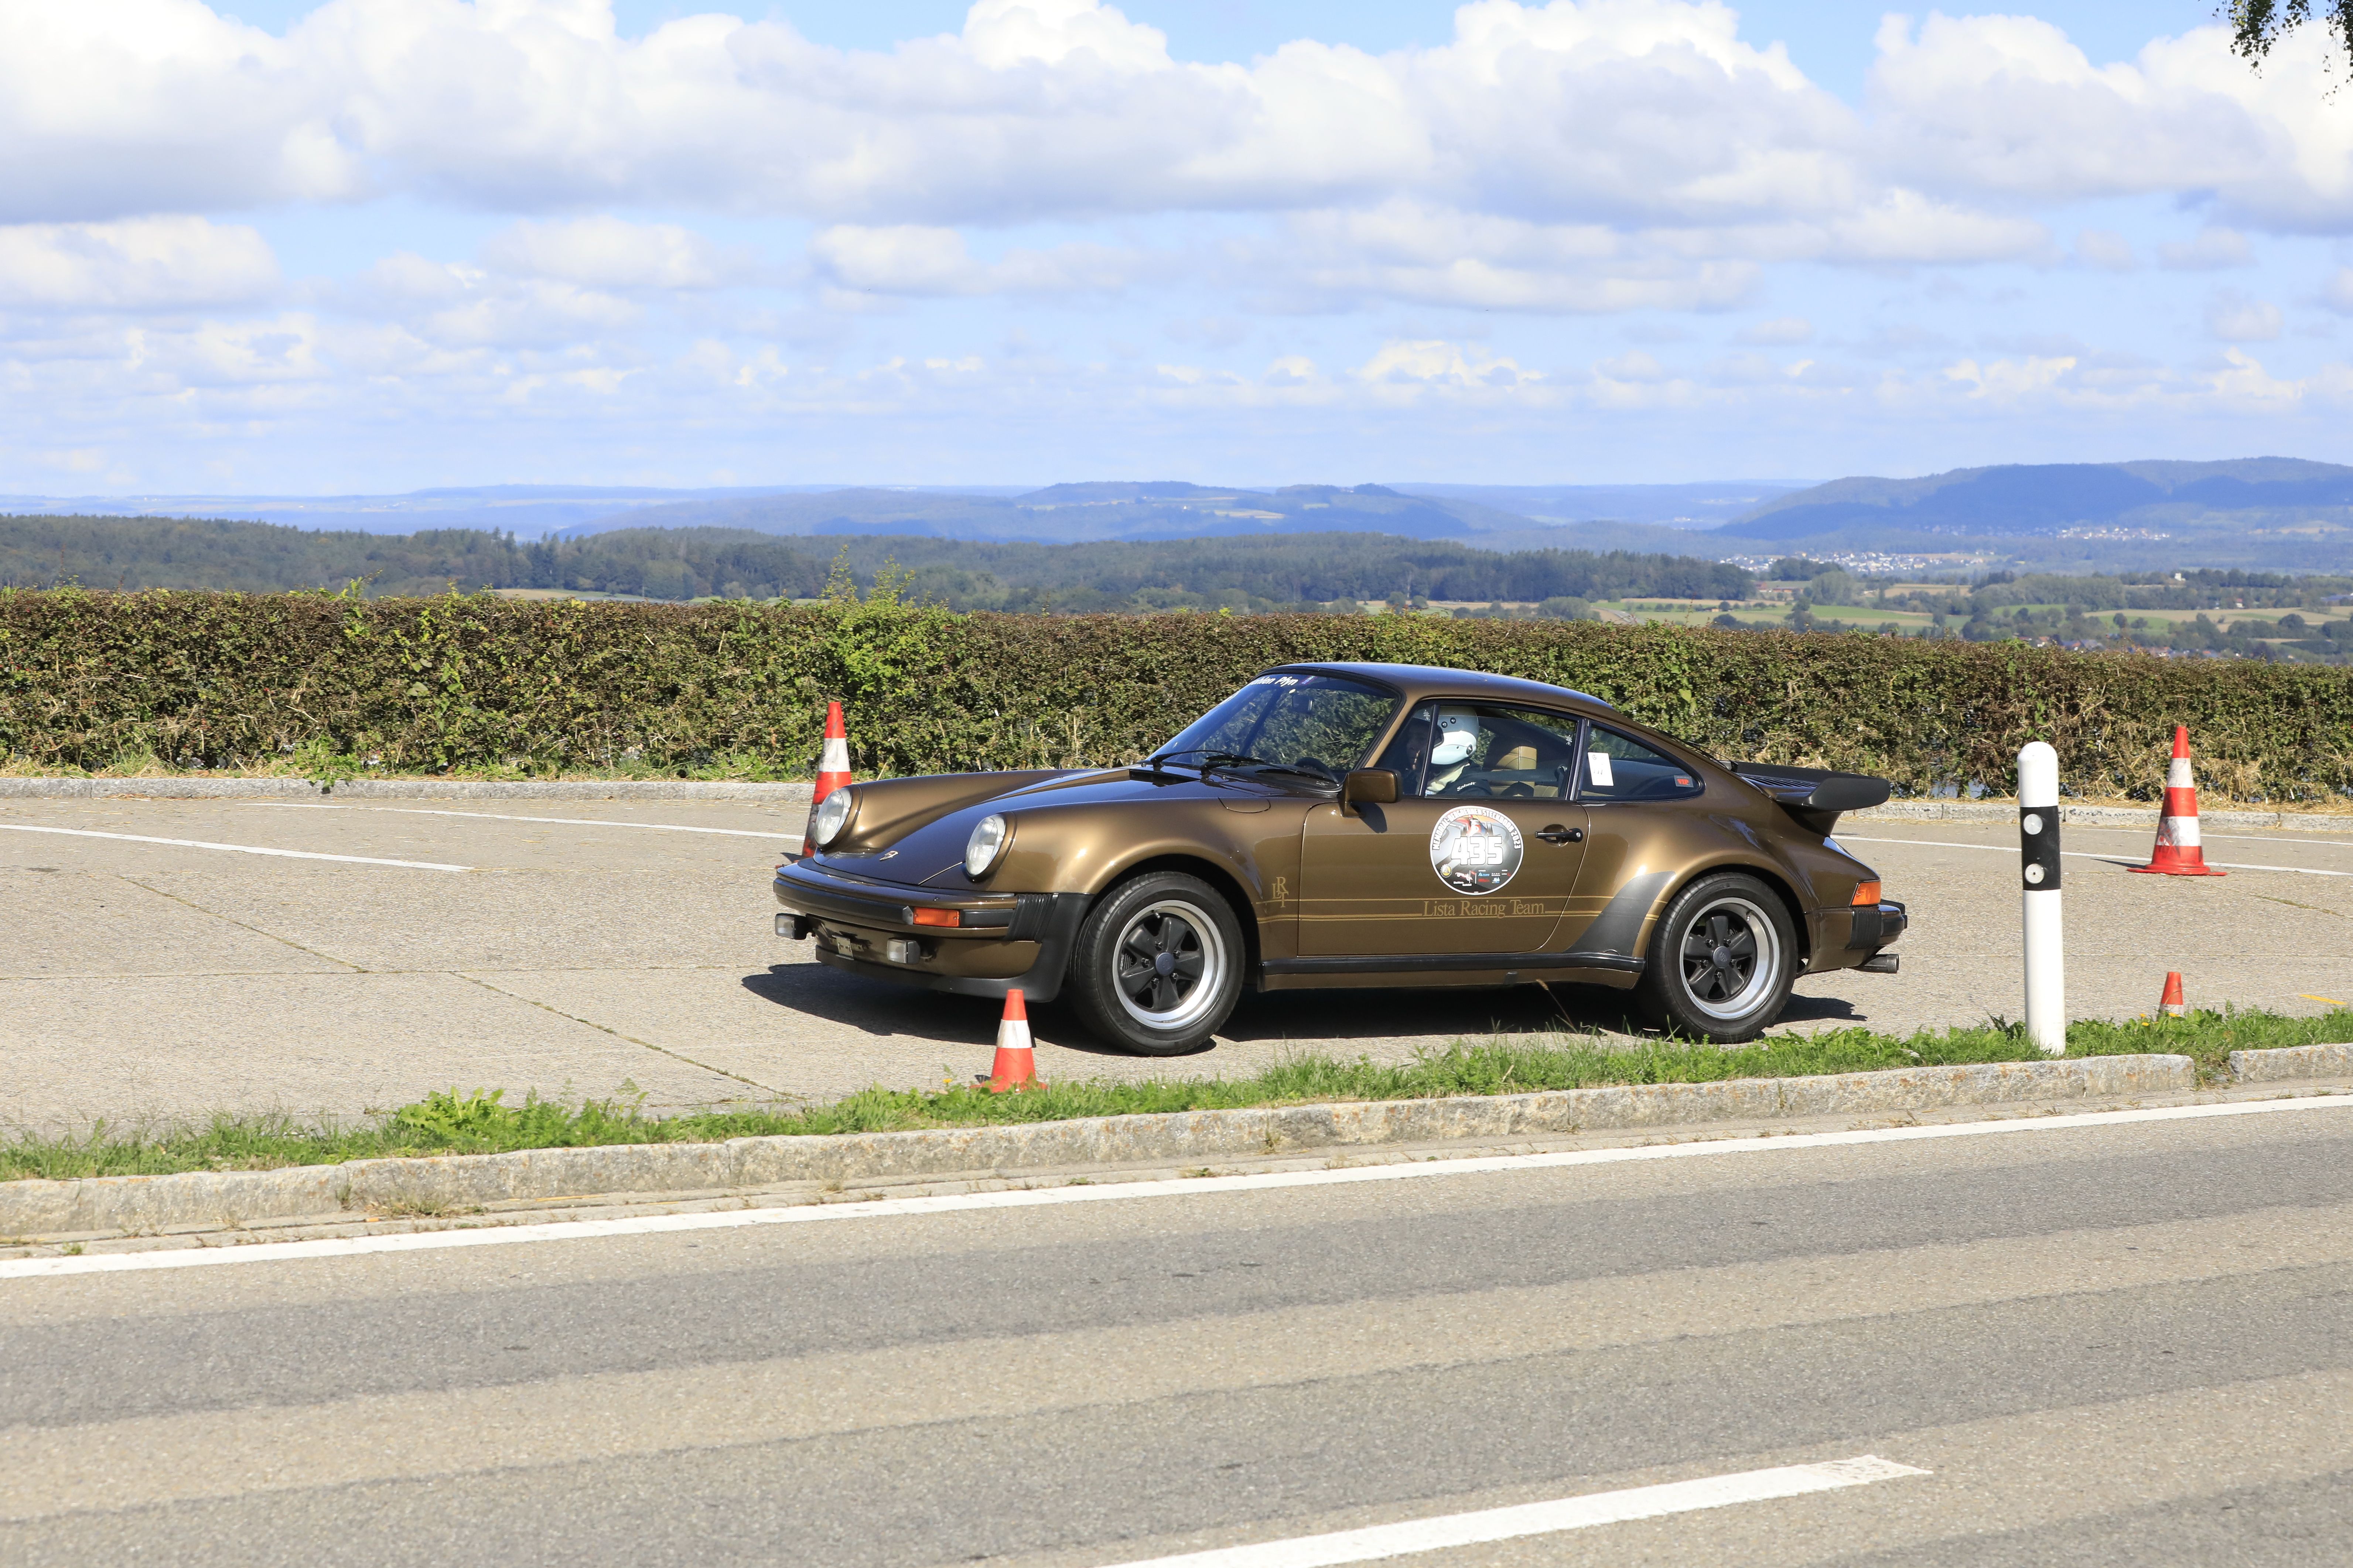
(1158, 964)
(1722, 959)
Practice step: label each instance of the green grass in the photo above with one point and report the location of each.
(450, 1123)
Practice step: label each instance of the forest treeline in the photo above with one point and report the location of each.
(1279, 572)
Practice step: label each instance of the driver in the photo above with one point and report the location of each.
(1457, 745)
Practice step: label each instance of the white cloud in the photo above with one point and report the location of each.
(136, 264)
(1432, 364)
(918, 260)
(2008, 105)
(2233, 318)
(150, 106)
(452, 305)
(1634, 366)
(607, 252)
(1612, 110)
(1582, 156)
(1003, 34)
(1631, 113)
(2009, 380)
(2106, 250)
(2212, 250)
(1781, 329)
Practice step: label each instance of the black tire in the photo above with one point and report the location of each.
(1126, 995)
(1721, 959)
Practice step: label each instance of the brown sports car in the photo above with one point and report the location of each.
(1352, 825)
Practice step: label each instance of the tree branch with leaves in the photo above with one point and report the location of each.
(2258, 24)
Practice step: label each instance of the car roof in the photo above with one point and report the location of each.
(1416, 681)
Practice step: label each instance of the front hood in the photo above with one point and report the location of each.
(927, 851)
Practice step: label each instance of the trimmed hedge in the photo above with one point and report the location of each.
(96, 681)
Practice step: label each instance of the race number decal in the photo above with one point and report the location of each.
(1475, 848)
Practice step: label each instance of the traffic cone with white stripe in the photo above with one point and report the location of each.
(832, 763)
(2177, 853)
(1016, 1063)
(2171, 1003)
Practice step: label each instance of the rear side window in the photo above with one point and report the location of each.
(1618, 767)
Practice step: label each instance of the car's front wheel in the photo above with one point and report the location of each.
(1721, 961)
(1158, 964)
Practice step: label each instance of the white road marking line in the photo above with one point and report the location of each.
(2242, 837)
(1543, 1518)
(1045, 1197)
(2086, 855)
(232, 848)
(584, 822)
(560, 821)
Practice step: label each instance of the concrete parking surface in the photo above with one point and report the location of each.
(603, 948)
(2108, 1344)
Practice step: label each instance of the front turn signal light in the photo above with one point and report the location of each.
(1865, 893)
(922, 917)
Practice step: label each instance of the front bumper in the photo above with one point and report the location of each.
(1001, 941)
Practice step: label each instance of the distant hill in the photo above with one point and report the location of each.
(2275, 513)
(1252, 572)
(1708, 505)
(1645, 518)
(1077, 513)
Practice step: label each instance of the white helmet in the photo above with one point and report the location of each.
(1458, 737)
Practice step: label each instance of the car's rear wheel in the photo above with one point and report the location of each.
(1721, 961)
(1158, 964)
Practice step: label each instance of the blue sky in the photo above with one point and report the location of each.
(378, 245)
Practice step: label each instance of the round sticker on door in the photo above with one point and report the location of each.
(1475, 848)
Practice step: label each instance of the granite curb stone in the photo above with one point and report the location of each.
(460, 1182)
(2292, 1062)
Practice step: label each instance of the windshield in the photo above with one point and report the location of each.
(1320, 725)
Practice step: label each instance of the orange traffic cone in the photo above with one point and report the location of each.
(1016, 1064)
(832, 763)
(2170, 1003)
(2177, 853)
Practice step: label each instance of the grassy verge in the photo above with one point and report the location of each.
(448, 1123)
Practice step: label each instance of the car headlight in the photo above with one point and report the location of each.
(831, 816)
(986, 845)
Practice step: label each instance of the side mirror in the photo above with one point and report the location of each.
(1369, 786)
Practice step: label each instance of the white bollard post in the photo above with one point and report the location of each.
(2038, 844)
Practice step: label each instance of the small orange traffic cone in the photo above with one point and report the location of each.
(2170, 1003)
(2177, 853)
(832, 763)
(1016, 1064)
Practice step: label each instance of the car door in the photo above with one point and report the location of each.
(1479, 854)
(1623, 783)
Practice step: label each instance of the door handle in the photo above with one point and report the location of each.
(1557, 834)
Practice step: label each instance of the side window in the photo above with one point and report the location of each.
(1478, 750)
(1618, 767)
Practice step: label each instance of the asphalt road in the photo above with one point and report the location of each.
(2126, 1343)
(605, 948)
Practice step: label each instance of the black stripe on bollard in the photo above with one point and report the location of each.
(2038, 844)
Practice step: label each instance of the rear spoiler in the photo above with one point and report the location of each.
(1815, 796)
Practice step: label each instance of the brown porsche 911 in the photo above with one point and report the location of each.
(1353, 825)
